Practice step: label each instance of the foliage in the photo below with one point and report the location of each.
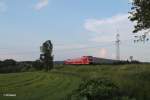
(126, 62)
(8, 65)
(12, 66)
(46, 56)
(98, 89)
(141, 14)
(9, 62)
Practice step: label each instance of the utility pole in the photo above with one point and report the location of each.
(117, 47)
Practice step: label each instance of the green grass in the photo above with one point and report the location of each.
(37, 85)
(56, 85)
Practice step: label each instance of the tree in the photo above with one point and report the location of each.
(140, 13)
(9, 62)
(46, 56)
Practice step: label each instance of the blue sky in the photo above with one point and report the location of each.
(76, 28)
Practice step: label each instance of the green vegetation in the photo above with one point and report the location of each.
(98, 89)
(140, 15)
(36, 85)
(46, 56)
(132, 80)
(140, 12)
(12, 66)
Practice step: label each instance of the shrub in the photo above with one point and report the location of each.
(98, 89)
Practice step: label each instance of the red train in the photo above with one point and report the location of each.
(85, 60)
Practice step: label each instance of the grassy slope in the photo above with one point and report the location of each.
(37, 85)
(133, 79)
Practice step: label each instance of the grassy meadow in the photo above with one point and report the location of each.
(133, 79)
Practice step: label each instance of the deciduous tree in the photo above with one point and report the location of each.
(140, 14)
(46, 56)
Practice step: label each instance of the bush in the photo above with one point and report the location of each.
(98, 89)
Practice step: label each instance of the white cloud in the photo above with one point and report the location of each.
(41, 4)
(93, 24)
(105, 30)
(3, 7)
(131, 1)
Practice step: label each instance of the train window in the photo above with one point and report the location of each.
(90, 59)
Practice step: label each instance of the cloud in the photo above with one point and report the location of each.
(94, 24)
(3, 7)
(41, 4)
(105, 30)
(131, 1)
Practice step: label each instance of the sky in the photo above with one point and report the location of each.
(75, 27)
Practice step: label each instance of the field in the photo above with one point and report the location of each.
(61, 81)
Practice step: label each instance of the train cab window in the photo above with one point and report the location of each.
(90, 59)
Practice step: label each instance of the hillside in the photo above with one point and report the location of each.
(61, 81)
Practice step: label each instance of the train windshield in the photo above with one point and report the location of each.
(90, 58)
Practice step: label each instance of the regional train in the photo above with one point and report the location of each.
(86, 60)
